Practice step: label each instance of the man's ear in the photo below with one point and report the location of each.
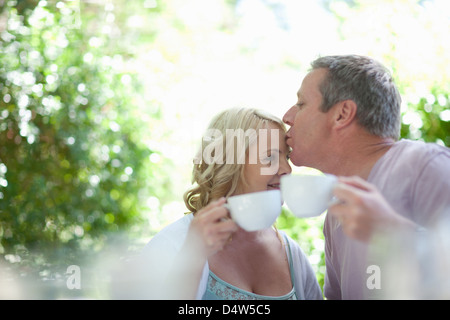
(344, 113)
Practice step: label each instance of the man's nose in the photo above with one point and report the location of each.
(288, 117)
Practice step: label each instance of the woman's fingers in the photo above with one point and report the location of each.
(213, 226)
(214, 210)
(213, 204)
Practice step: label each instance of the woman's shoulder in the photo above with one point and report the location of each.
(180, 225)
(293, 245)
(291, 242)
(174, 234)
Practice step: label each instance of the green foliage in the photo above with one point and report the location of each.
(308, 233)
(429, 119)
(74, 168)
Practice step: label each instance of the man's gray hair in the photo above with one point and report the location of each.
(369, 84)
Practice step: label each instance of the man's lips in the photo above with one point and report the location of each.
(288, 138)
(289, 143)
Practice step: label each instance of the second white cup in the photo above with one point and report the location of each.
(308, 195)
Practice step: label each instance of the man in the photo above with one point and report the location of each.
(347, 122)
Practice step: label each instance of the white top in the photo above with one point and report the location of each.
(165, 245)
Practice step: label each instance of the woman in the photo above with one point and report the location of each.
(205, 254)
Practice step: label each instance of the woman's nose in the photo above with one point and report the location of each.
(284, 168)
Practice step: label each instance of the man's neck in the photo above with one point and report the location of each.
(358, 155)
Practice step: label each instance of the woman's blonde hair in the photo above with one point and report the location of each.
(220, 178)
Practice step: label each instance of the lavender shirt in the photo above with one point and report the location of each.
(414, 178)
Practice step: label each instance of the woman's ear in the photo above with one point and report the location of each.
(344, 113)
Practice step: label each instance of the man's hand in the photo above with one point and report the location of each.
(362, 210)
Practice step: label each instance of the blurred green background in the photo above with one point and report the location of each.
(103, 102)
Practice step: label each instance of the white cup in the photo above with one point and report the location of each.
(255, 211)
(308, 195)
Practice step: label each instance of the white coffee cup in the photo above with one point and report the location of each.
(255, 211)
(308, 195)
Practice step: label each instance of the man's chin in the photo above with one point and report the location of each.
(296, 162)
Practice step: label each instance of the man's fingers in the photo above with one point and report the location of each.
(339, 211)
(356, 182)
(346, 193)
(352, 189)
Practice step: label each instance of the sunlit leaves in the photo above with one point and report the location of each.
(73, 165)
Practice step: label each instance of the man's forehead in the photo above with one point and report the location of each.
(312, 81)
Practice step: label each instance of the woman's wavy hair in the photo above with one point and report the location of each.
(215, 179)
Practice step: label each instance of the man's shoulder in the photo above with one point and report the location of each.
(408, 154)
(419, 148)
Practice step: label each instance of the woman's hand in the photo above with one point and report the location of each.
(211, 228)
(208, 233)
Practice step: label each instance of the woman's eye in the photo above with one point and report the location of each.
(269, 159)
